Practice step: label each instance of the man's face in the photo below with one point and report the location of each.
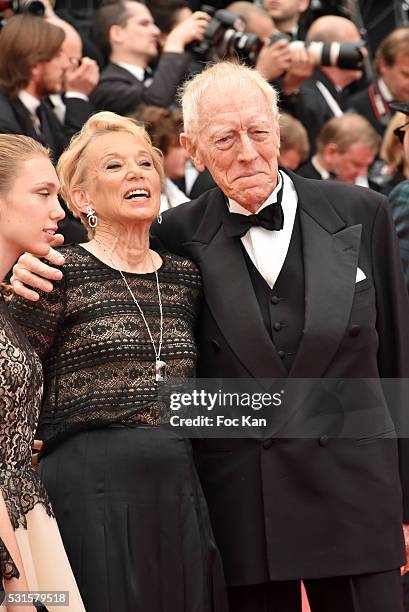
(238, 141)
(140, 35)
(49, 75)
(396, 77)
(285, 10)
(354, 162)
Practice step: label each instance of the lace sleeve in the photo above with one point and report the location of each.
(40, 320)
(8, 568)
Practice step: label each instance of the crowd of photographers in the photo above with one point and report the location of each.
(130, 57)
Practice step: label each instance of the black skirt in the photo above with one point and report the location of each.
(134, 522)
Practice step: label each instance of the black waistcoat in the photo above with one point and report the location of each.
(282, 307)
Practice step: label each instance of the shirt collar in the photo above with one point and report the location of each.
(30, 102)
(325, 175)
(385, 91)
(136, 71)
(235, 207)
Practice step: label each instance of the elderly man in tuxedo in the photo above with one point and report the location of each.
(302, 280)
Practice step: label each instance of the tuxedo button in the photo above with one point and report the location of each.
(215, 344)
(323, 441)
(281, 354)
(354, 331)
(277, 326)
(275, 300)
(267, 443)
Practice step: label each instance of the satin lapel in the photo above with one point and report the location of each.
(230, 296)
(330, 264)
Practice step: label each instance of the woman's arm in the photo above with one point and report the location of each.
(11, 563)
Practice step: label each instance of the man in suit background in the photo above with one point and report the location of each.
(346, 148)
(127, 36)
(33, 65)
(302, 280)
(391, 84)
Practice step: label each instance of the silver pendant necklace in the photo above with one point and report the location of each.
(160, 366)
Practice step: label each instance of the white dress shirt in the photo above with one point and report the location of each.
(138, 72)
(268, 249)
(31, 103)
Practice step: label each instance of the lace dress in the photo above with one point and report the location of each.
(128, 501)
(21, 490)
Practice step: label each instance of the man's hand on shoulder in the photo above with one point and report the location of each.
(29, 271)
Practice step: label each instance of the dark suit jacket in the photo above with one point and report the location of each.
(120, 92)
(15, 119)
(311, 107)
(328, 503)
(307, 170)
(361, 103)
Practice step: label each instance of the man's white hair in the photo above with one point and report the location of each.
(221, 79)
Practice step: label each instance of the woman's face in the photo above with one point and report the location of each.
(30, 211)
(123, 185)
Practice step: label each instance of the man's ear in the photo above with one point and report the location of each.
(35, 71)
(192, 150)
(381, 66)
(330, 153)
(115, 34)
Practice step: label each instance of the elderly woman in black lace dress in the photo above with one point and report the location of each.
(127, 499)
(32, 556)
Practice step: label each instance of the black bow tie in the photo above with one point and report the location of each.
(271, 218)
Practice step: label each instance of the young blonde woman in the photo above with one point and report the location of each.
(32, 556)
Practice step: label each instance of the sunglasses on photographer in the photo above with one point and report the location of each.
(400, 132)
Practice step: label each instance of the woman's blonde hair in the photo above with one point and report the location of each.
(72, 165)
(391, 150)
(15, 149)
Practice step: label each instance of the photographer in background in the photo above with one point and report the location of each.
(287, 16)
(127, 35)
(321, 97)
(392, 83)
(80, 78)
(346, 147)
(34, 65)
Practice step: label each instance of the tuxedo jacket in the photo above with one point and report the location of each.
(282, 506)
(312, 109)
(120, 92)
(15, 119)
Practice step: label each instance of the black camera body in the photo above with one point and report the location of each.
(225, 37)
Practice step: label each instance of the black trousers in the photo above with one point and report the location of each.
(380, 592)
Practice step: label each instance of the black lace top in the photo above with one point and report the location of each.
(98, 360)
(20, 399)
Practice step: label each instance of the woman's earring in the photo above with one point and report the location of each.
(159, 219)
(91, 217)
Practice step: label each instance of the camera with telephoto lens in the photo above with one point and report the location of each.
(35, 7)
(347, 55)
(225, 37)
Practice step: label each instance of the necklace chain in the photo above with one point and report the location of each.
(160, 365)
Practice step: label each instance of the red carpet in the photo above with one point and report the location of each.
(305, 605)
